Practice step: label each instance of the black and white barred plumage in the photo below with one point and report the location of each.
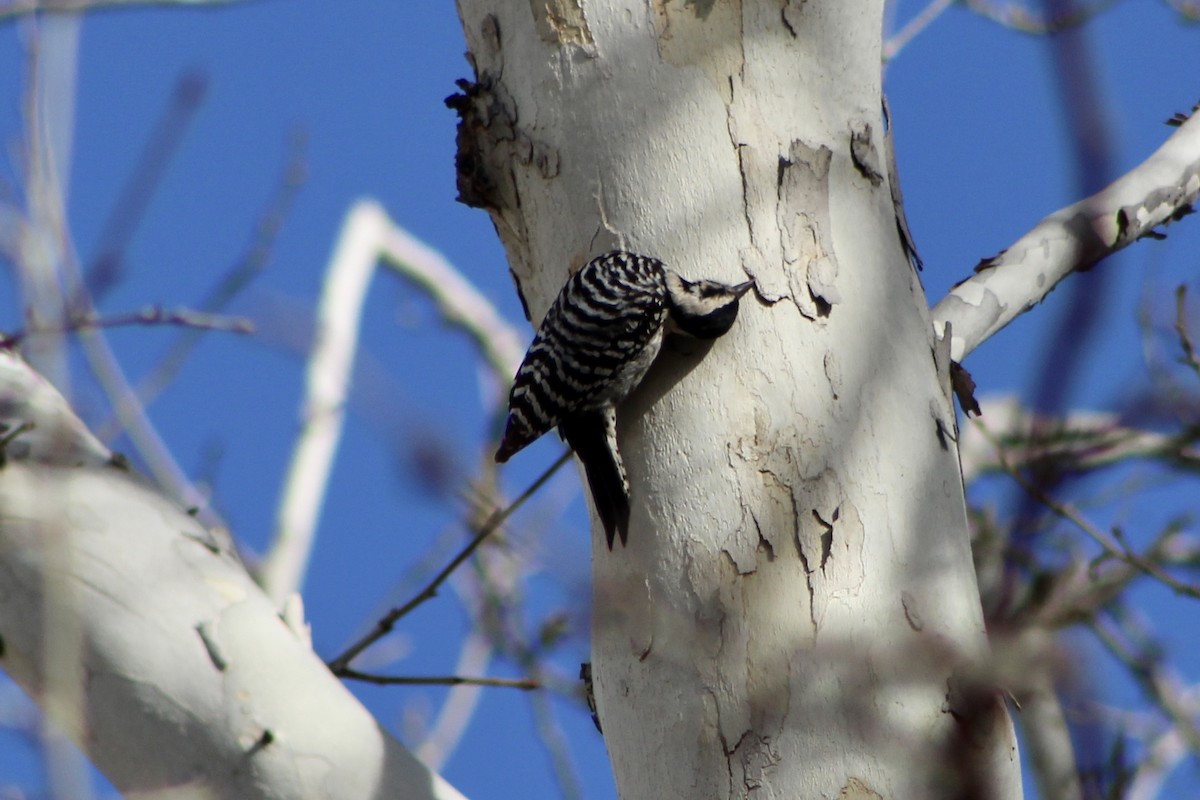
(593, 348)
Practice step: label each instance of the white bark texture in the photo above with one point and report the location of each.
(1158, 191)
(151, 646)
(796, 614)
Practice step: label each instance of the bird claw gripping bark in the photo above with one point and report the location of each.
(593, 348)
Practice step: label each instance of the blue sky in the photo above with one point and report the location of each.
(984, 153)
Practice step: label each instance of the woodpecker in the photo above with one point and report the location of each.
(593, 348)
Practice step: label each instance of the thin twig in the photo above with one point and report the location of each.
(48, 103)
(501, 615)
(252, 262)
(1181, 328)
(16, 8)
(1188, 9)
(150, 315)
(1144, 661)
(439, 740)
(1022, 19)
(384, 626)
(526, 684)
(915, 26)
(1046, 734)
(129, 210)
(1115, 548)
(461, 304)
(1163, 755)
(367, 237)
(141, 431)
(47, 264)
(1078, 442)
(555, 742)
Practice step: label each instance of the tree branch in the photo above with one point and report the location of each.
(460, 303)
(46, 264)
(192, 680)
(253, 260)
(148, 315)
(1081, 441)
(384, 626)
(923, 19)
(1160, 190)
(1019, 18)
(525, 684)
(17, 8)
(1115, 547)
(367, 236)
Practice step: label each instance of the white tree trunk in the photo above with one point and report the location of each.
(145, 640)
(796, 612)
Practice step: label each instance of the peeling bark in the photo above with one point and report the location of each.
(1157, 192)
(793, 510)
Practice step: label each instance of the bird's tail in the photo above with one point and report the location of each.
(592, 435)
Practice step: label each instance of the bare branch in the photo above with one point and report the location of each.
(252, 261)
(1188, 9)
(1132, 646)
(1181, 329)
(440, 739)
(525, 684)
(46, 262)
(106, 269)
(42, 242)
(141, 431)
(497, 518)
(1047, 735)
(1114, 547)
(1082, 441)
(174, 634)
(150, 315)
(1158, 191)
(1022, 19)
(17, 8)
(461, 303)
(367, 236)
(335, 340)
(555, 743)
(893, 46)
(1166, 752)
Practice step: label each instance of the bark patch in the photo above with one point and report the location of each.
(489, 141)
(484, 121)
(755, 758)
(561, 22)
(702, 33)
(802, 217)
(858, 789)
(862, 153)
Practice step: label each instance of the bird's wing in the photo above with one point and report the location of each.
(577, 359)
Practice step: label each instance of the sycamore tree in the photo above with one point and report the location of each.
(808, 605)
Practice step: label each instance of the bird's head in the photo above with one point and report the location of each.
(703, 309)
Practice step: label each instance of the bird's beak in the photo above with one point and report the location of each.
(742, 288)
